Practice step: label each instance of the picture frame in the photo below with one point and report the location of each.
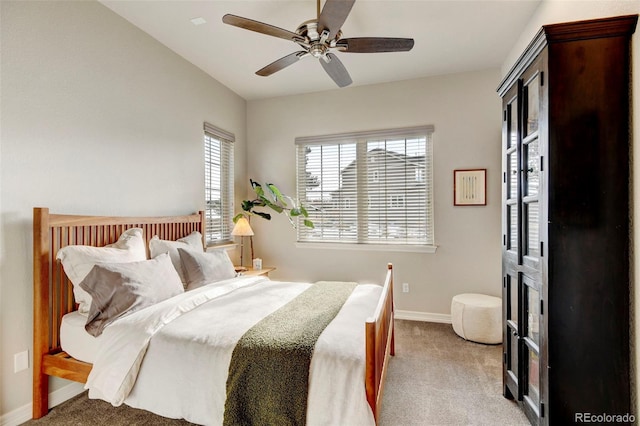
(470, 187)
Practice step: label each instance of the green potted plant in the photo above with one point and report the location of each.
(273, 199)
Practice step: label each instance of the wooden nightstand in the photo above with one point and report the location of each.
(250, 272)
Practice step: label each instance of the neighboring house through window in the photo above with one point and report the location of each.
(368, 188)
(396, 201)
(218, 167)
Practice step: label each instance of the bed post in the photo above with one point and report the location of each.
(392, 349)
(203, 228)
(41, 321)
(380, 342)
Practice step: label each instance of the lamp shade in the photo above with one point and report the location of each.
(242, 228)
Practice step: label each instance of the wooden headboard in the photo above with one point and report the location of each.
(53, 292)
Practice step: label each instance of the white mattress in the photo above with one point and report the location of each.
(74, 339)
(172, 359)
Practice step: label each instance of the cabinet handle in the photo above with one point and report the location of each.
(515, 333)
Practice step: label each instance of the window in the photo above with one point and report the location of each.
(386, 176)
(218, 186)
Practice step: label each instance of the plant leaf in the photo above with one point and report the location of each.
(295, 212)
(277, 195)
(247, 205)
(263, 215)
(268, 203)
(291, 200)
(257, 188)
(308, 223)
(237, 217)
(304, 211)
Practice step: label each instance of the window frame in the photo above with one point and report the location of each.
(225, 148)
(361, 139)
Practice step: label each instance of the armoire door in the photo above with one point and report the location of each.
(533, 121)
(522, 245)
(511, 255)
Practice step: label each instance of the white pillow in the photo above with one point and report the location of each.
(192, 241)
(118, 289)
(78, 261)
(206, 268)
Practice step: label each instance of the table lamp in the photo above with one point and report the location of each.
(242, 229)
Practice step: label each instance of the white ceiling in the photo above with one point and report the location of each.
(450, 36)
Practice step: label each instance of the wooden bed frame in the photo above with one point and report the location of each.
(53, 296)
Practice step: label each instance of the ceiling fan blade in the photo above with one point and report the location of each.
(260, 27)
(336, 70)
(333, 15)
(374, 44)
(281, 63)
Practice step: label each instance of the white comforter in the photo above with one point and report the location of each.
(173, 358)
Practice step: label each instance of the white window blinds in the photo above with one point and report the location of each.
(368, 188)
(218, 166)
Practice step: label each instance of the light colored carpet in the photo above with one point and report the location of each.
(436, 378)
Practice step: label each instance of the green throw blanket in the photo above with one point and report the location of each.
(269, 372)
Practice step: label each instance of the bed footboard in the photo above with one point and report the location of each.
(380, 345)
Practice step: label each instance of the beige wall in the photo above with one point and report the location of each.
(97, 118)
(465, 110)
(551, 12)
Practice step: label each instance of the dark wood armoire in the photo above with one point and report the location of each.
(566, 222)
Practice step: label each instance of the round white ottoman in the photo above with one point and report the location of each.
(477, 317)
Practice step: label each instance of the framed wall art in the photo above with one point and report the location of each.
(470, 187)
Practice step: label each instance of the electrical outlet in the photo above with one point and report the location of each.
(20, 361)
(405, 287)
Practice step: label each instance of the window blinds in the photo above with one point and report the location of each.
(218, 161)
(368, 188)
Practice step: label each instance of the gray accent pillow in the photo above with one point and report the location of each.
(118, 289)
(192, 241)
(206, 268)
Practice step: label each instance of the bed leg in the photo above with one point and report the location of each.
(40, 395)
(392, 349)
(41, 319)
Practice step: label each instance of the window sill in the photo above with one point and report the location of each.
(369, 247)
(226, 246)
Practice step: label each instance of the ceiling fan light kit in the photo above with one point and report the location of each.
(318, 36)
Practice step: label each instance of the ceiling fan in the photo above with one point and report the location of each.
(318, 36)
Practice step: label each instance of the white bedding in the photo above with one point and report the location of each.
(75, 340)
(172, 358)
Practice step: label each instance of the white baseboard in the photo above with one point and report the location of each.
(24, 413)
(422, 316)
